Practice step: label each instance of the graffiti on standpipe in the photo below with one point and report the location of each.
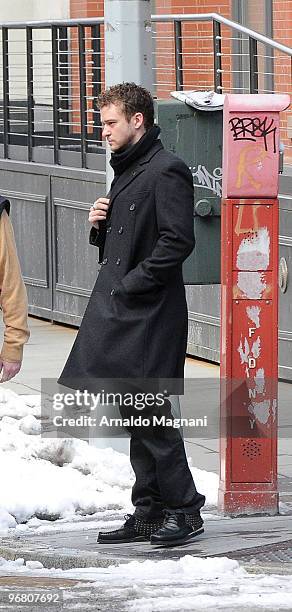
(208, 180)
(253, 128)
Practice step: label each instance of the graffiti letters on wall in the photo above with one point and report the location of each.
(252, 165)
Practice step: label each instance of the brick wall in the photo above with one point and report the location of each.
(282, 26)
(84, 8)
(197, 46)
(282, 18)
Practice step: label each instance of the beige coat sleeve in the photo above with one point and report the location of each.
(13, 298)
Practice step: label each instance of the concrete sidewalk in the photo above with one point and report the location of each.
(255, 541)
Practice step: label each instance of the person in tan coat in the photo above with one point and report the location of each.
(13, 299)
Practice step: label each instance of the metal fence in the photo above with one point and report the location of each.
(51, 73)
(208, 51)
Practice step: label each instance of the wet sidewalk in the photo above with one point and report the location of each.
(257, 542)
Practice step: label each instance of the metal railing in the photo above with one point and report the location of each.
(51, 76)
(216, 35)
(52, 72)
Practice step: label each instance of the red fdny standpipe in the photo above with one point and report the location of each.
(249, 304)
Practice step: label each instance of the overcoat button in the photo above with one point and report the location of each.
(134, 173)
(109, 229)
(118, 261)
(133, 206)
(112, 292)
(121, 230)
(105, 261)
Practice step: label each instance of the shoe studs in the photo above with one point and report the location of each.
(147, 528)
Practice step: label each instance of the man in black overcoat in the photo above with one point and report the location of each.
(135, 324)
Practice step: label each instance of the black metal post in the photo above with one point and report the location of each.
(82, 86)
(253, 65)
(55, 93)
(96, 79)
(5, 90)
(178, 55)
(217, 56)
(29, 81)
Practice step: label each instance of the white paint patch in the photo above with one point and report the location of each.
(256, 348)
(260, 380)
(274, 409)
(261, 411)
(253, 313)
(252, 284)
(254, 251)
(243, 352)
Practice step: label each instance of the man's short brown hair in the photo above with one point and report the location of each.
(132, 98)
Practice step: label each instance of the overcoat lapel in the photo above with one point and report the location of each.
(134, 171)
(126, 178)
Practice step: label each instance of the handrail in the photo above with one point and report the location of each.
(156, 18)
(85, 21)
(236, 26)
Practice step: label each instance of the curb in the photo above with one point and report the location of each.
(65, 561)
(60, 560)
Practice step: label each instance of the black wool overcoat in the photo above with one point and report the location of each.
(135, 324)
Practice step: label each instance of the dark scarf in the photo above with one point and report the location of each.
(125, 157)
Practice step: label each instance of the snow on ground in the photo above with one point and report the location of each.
(190, 583)
(63, 480)
(19, 406)
(42, 479)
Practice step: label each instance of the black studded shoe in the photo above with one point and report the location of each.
(134, 530)
(178, 529)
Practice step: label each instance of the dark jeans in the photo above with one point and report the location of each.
(163, 477)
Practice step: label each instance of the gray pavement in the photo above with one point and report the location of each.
(255, 541)
(263, 539)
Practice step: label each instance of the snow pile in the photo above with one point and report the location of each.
(6, 520)
(190, 583)
(15, 405)
(49, 479)
(207, 483)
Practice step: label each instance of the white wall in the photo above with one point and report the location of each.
(16, 10)
(51, 9)
(31, 10)
(24, 10)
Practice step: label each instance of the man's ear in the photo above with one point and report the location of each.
(138, 120)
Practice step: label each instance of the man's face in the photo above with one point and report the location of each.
(116, 128)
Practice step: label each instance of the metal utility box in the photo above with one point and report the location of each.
(196, 137)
